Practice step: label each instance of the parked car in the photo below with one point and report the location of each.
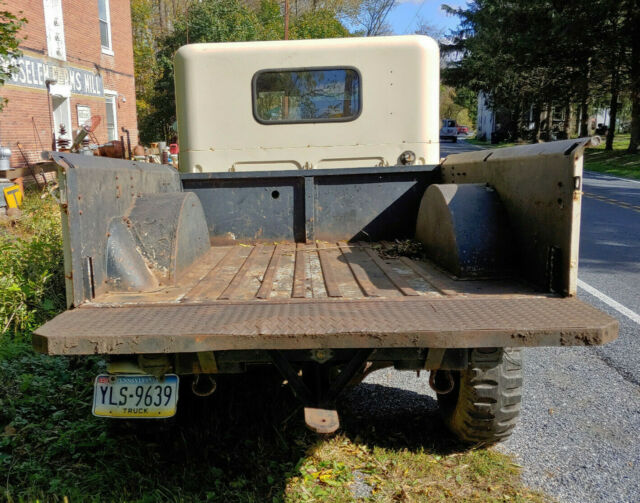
(449, 130)
(463, 129)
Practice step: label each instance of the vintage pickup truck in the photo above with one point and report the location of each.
(314, 229)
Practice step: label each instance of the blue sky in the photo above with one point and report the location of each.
(405, 18)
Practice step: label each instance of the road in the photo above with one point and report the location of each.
(578, 439)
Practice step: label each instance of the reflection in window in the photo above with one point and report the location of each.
(331, 94)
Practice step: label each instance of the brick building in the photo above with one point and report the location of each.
(77, 62)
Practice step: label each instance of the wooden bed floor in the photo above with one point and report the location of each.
(283, 271)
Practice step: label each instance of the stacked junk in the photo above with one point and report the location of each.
(85, 142)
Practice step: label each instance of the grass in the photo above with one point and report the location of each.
(616, 162)
(246, 443)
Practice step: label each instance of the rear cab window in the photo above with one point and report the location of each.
(307, 95)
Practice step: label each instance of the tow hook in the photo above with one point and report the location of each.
(203, 389)
(441, 381)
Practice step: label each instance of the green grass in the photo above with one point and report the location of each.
(614, 162)
(246, 443)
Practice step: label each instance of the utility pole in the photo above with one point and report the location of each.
(286, 19)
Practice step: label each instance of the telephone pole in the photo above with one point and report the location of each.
(286, 19)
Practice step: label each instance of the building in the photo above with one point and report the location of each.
(77, 64)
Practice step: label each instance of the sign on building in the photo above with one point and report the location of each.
(34, 72)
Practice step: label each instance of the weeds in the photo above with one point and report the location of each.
(31, 268)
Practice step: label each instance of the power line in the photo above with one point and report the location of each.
(415, 16)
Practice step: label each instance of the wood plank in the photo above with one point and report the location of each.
(328, 273)
(219, 277)
(353, 256)
(240, 287)
(202, 266)
(400, 283)
(314, 271)
(300, 272)
(267, 280)
(432, 277)
(283, 278)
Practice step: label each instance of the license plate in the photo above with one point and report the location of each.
(135, 396)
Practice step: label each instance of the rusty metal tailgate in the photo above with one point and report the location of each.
(456, 322)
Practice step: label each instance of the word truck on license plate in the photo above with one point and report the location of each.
(135, 396)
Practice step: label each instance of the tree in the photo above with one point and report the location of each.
(10, 25)
(214, 21)
(633, 22)
(538, 56)
(318, 24)
(370, 16)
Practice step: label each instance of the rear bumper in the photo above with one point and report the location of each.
(310, 324)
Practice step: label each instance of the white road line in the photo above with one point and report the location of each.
(633, 316)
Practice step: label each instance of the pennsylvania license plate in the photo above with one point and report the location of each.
(135, 396)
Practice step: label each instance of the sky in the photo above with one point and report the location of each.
(406, 17)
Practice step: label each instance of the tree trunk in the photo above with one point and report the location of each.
(566, 125)
(576, 129)
(584, 117)
(549, 121)
(516, 118)
(634, 18)
(535, 135)
(613, 107)
(584, 102)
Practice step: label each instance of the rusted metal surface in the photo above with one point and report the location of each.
(323, 421)
(93, 192)
(307, 324)
(465, 229)
(307, 204)
(540, 187)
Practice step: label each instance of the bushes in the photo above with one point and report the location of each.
(31, 268)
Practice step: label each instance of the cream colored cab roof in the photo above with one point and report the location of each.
(399, 79)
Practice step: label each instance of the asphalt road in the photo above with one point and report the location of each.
(579, 434)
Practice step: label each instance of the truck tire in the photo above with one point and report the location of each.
(484, 405)
(455, 139)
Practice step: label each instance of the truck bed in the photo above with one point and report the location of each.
(333, 295)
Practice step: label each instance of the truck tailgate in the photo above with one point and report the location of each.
(323, 295)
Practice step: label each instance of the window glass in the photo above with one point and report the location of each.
(103, 16)
(112, 128)
(328, 94)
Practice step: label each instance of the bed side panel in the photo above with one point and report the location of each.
(95, 190)
(540, 187)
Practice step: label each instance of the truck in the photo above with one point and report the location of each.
(449, 130)
(313, 230)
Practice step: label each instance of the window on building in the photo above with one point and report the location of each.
(61, 117)
(111, 115)
(105, 26)
(306, 95)
(54, 26)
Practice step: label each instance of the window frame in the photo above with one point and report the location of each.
(254, 95)
(111, 94)
(106, 50)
